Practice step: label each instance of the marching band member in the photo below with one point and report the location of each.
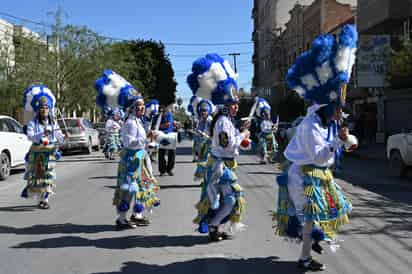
(45, 133)
(222, 198)
(311, 206)
(167, 126)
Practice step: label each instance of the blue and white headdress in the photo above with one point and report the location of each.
(320, 73)
(152, 109)
(262, 107)
(196, 105)
(114, 91)
(34, 97)
(37, 95)
(213, 78)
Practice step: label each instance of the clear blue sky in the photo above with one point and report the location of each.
(179, 21)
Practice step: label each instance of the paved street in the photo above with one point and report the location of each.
(77, 235)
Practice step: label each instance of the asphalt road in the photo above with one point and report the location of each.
(77, 235)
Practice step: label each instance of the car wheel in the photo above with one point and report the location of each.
(5, 166)
(396, 164)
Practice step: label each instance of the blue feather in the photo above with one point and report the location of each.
(348, 36)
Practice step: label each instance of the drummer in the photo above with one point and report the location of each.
(166, 125)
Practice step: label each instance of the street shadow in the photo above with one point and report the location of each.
(105, 162)
(18, 208)
(71, 160)
(179, 186)
(111, 187)
(184, 151)
(66, 228)
(120, 243)
(17, 170)
(264, 172)
(252, 186)
(250, 164)
(213, 265)
(184, 162)
(103, 177)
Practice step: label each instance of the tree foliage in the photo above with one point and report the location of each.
(400, 74)
(71, 58)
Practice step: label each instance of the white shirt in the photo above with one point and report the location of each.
(36, 131)
(223, 129)
(311, 145)
(113, 126)
(266, 126)
(133, 133)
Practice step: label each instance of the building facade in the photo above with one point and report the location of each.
(283, 29)
(382, 21)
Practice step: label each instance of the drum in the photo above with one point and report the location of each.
(167, 141)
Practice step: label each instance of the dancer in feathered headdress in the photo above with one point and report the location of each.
(136, 186)
(151, 112)
(203, 111)
(222, 199)
(267, 148)
(44, 131)
(311, 206)
(109, 87)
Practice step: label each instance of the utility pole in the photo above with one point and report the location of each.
(234, 54)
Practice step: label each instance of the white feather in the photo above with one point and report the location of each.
(299, 90)
(112, 90)
(309, 81)
(208, 80)
(342, 59)
(324, 72)
(229, 70)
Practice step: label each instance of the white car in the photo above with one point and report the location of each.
(399, 152)
(14, 145)
(290, 132)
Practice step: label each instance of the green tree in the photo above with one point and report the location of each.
(400, 73)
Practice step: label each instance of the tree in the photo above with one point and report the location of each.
(400, 73)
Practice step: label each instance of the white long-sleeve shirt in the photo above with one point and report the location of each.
(226, 138)
(36, 131)
(113, 126)
(134, 135)
(266, 126)
(311, 144)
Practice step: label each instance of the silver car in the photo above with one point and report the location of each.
(81, 135)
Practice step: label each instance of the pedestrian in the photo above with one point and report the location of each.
(222, 198)
(311, 206)
(45, 134)
(166, 126)
(136, 186)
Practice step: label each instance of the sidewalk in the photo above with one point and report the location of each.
(369, 152)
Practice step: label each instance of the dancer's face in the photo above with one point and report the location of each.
(44, 112)
(233, 109)
(140, 108)
(204, 114)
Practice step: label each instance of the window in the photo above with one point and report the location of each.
(3, 126)
(14, 126)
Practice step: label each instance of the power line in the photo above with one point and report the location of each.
(187, 44)
(199, 55)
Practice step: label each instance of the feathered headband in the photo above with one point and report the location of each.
(114, 91)
(319, 74)
(213, 79)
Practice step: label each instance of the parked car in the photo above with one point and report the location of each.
(399, 152)
(14, 145)
(101, 128)
(81, 135)
(290, 132)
